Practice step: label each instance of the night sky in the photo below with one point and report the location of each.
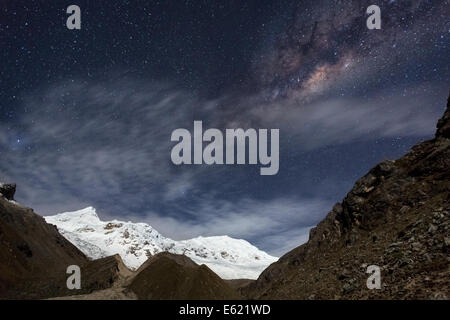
(86, 115)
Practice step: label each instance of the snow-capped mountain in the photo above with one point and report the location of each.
(136, 242)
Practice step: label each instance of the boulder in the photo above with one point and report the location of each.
(8, 190)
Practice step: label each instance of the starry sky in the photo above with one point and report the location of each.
(86, 115)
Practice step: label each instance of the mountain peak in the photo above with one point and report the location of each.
(89, 211)
(83, 214)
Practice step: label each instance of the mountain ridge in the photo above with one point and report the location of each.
(136, 242)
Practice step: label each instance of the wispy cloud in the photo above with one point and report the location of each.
(338, 120)
(108, 145)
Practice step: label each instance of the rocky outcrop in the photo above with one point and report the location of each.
(8, 190)
(396, 217)
(443, 126)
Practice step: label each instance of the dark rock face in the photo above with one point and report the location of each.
(32, 249)
(8, 190)
(396, 217)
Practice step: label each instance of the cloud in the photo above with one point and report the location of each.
(334, 120)
(99, 141)
(288, 240)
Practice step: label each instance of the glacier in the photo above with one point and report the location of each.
(136, 242)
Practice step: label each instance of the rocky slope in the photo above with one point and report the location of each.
(170, 276)
(34, 256)
(30, 249)
(396, 217)
(136, 242)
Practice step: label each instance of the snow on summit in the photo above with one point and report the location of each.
(136, 242)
